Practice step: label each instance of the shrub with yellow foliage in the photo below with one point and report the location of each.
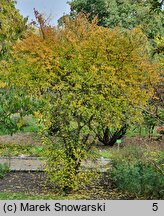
(90, 78)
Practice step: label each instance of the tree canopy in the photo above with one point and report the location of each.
(12, 25)
(96, 76)
(148, 15)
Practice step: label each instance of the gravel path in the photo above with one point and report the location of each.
(33, 163)
(23, 163)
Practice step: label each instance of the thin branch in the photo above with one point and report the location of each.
(148, 112)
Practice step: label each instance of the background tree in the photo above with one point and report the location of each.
(154, 114)
(124, 13)
(12, 28)
(14, 105)
(12, 25)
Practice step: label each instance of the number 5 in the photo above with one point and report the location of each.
(155, 207)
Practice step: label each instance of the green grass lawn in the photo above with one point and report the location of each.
(25, 196)
(105, 153)
(17, 149)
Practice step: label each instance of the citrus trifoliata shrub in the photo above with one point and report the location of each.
(90, 78)
(65, 173)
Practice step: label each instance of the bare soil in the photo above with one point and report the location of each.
(26, 182)
(154, 143)
(22, 138)
(34, 183)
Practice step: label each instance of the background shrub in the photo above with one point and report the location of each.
(139, 172)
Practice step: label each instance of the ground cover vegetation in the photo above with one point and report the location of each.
(3, 170)
(89, 80)
(25, 196)
(139, 171)
(17, 150)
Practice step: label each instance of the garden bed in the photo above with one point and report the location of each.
(26, 174)
(33, 184)
(27, 182)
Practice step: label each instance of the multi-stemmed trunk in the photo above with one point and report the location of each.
(109, 139)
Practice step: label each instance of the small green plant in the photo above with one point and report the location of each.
(31, 124)
(3, 170)
(139, 179)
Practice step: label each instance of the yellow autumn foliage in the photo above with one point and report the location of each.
(91, 77)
